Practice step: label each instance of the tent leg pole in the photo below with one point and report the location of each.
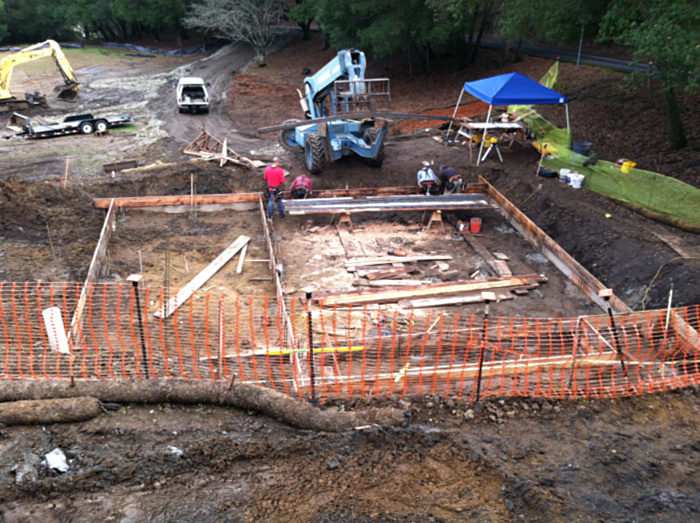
(483, 137)
(568, 126)
(449, 127)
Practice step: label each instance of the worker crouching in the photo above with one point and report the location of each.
(428, 183)
(451, 181)
(301, 187)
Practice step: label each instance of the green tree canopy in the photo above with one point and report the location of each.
(666, 35)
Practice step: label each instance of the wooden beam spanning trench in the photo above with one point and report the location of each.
(551, 250)
(388, 203)
(207, 199)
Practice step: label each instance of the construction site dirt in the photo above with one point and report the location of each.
(502, 459)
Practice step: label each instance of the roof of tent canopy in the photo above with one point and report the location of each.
(513, 89)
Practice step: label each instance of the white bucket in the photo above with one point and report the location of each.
(564, 175)
(576, 180)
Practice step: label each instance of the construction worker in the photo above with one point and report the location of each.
(427, 181)
(301, 187)
(450, 180)
(274, 176)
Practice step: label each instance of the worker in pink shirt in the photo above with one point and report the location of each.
(301, 187)
(274, 176)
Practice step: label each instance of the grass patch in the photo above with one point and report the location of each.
(89, 56)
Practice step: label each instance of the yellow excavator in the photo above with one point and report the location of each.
(67, 92)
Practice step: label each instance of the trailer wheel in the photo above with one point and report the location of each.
(287, 141)
(370, 136)
(101, 126)
(315, 154)
(86, 127)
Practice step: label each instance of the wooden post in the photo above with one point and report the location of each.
(65, 176)
(135, 279)
(311, 345)
(487, 296)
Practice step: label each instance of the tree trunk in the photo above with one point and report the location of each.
(519, 51)
(484, 22)
(470, 43)
(504, 53)
(249, 397)
(675, 124)
(305, 29)
(461, 50)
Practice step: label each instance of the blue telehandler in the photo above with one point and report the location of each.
(338, 103)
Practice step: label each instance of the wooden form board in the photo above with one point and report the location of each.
(452, 300)
(188, 290)
(685, 331)
(411, 378)
(241, 259)
(561, 259)
(95, 268)
(425, 291)
(501, 267)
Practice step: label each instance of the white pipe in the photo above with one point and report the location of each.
(568, 125)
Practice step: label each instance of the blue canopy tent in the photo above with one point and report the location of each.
(511, 89)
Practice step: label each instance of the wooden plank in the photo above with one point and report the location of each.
(94, 270)
(500, 266)
(270, 249)
(388, 274)
(425, 291)
(188, 290)
(159, 201)
(685, 331)
(389, 283)
(241, 259)
(453, 300)
(119, 165)
(383, 260)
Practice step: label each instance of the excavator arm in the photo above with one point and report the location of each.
(67, 91)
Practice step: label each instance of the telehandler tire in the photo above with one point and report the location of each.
(287, 141)
(315, 154)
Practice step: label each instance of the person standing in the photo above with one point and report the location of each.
(274, 176)
(427, 181)
(450, 180)
(301, 187)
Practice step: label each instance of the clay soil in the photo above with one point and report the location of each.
(509, 459)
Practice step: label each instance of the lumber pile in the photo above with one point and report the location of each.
(209, 148)
(433, 291)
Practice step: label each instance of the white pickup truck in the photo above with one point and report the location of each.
(192, 95)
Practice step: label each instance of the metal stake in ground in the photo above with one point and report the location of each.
(487, 297)
(135, 279)
(312, 376)
(606, 294)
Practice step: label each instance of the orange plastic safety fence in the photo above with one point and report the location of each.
(359, 351)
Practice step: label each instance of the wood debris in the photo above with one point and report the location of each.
(209, 148)
(330, 299)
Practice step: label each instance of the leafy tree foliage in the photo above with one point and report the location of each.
(253, 21)
(667, 36)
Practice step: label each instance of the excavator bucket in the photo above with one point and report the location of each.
(67, 93)
(36, 98)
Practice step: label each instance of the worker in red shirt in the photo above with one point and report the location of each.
(274, 176)
(301, 187)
